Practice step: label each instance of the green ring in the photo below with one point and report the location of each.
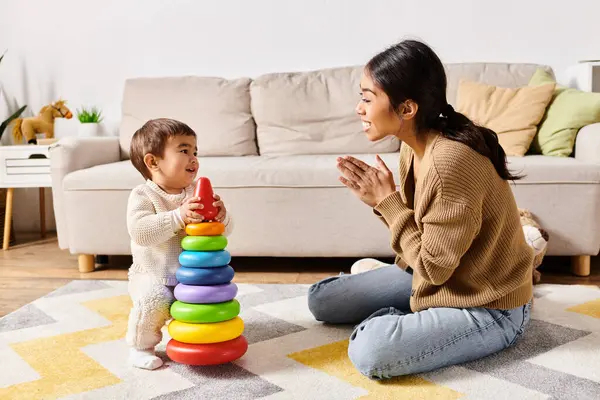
(205, 313)
(204, 243)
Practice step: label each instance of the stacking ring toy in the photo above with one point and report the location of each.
(204, 259)
(205, 229)
(204, 276)
(205, 294)
(204, 243)
(206, 333)
(207, 354)
(205, 313)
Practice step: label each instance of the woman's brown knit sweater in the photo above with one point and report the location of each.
(459, 230)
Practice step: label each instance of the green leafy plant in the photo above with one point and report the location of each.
(14, 116)
(89, 115)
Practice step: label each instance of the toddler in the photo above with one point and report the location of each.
(164, 152)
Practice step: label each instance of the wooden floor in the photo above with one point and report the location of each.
(32, 269)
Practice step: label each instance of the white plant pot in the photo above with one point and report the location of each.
(89, 129)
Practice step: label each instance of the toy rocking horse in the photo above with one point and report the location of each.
(42, 123)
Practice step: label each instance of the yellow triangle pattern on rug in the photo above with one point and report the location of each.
(63, 367)
(590, 308)
(333, 360)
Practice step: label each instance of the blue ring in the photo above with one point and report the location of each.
(204, 259)
(204, 276)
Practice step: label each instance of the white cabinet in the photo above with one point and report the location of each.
(24, 167)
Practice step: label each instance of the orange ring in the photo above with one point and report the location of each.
(205, 229)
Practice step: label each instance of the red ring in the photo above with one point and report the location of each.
(207, 354)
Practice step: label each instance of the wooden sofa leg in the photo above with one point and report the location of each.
(580, 265)
(87, 263)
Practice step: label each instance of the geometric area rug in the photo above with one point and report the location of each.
(70, 344)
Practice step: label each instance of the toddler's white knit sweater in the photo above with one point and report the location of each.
(156, 229)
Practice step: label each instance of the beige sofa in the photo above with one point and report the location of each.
(269, 146)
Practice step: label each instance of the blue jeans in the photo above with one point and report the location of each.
(390, 340)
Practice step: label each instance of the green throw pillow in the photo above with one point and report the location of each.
(568, 111)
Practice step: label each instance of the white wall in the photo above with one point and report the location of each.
(62, 49)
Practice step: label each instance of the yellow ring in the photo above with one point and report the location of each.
(205, 229)
(206, 333)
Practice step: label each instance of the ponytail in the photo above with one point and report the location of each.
(456, 126)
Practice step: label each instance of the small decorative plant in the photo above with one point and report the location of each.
(89, 115)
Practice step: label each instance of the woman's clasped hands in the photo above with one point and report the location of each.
(370, 184)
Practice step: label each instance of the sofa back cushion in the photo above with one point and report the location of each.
(311, 113)
(508, 75)
(217, 109)
(282, 113)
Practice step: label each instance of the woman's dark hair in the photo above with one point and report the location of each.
(412, 70)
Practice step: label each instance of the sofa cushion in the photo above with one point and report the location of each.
(231, 172)
(547, 170)
(217, 109)
(311, 113)
(312, 171)
(513, 113)
(569, 111)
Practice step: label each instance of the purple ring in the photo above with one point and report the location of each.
(197, 294)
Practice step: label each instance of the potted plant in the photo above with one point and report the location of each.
(10, 116)
(90, 119)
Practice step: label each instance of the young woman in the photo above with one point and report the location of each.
(461, 288)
